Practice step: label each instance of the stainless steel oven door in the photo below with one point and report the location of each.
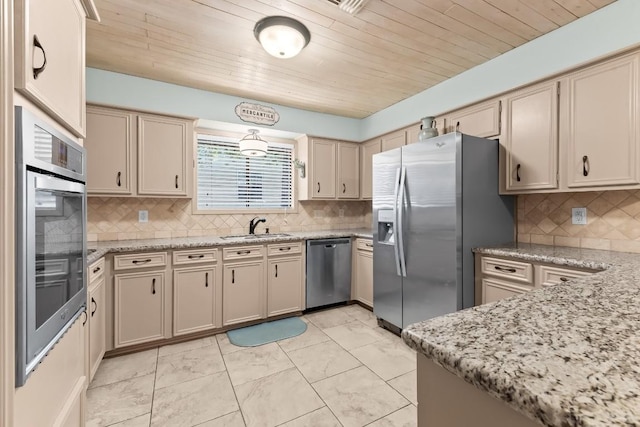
(52, 284)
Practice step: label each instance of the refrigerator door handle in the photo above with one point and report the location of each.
(395, 216)
(400, 231)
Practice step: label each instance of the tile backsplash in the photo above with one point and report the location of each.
(114, 218)
(613, 220)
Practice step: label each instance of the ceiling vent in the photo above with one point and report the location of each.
(350, 6)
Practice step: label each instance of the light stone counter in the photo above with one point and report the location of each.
(101, 249)
(567, 355)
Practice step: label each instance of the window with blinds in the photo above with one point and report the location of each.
(228, 180)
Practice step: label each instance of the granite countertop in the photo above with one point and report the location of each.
(567, 355)
(100, 249)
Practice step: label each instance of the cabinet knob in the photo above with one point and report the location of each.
(40, 69)
(585, 165)
(518, 172)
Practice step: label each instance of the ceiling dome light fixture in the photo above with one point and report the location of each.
(252, 145)
(281, 36)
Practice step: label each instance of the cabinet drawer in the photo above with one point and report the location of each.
(508, 269)
(284, 248)
(495, 290)
(549, 276)
(52, 267)
(133, 261)
(96, 270)
(195, 256)
(242, 252)
(364, 245)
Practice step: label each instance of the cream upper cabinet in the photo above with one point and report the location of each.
(601, 124)
(367, 151)
(110, 141)
(50, 58)
(482, 120)
(363, 271)
(323, 169)
(412, 133)
(164, 147)
(348, 171)
(284, 285)
(194, 299)
(96, 302)
(531, 138)
(393, 140)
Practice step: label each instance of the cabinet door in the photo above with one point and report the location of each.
(481, 120)
(364, 277)
(284, 286)
(393, 140)
(602, 124)
(323, 184)
(163, 144)
(242, 292)
(367, 150)
(97, 325)
(531, 138)
(139, 308)
(348, 171)
(193, 299)
(495, 290)
(50, 58)
(109, 143)
(412, 133)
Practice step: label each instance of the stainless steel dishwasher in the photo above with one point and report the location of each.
(328, 271)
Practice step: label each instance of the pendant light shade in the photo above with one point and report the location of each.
(252, 145)
(281, 36)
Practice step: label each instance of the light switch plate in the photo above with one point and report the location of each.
(579, 216)
(143, 216)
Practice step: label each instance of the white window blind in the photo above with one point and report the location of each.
(230, 180)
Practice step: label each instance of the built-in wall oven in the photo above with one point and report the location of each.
(50, 240)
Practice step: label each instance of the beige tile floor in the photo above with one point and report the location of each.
(343, 371)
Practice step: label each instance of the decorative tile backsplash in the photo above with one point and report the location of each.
(114, 218)
(613, 220)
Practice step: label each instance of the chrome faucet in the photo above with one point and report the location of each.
(254, 223)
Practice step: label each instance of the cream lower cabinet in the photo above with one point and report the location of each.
(197, 297)
(243, 284)
(531, 138)
(285, 278)
(96, 303)
(363, 271)
(140, 298)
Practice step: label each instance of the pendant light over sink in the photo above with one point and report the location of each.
(281, 36)
(252, 145)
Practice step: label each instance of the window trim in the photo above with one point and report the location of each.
(230, 136)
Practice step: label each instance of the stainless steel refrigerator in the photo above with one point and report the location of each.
(433, 201)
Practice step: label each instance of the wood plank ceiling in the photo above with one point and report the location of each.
(353, 66)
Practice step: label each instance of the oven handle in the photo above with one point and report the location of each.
(43, 182)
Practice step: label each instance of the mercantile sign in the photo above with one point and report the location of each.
(256, 113)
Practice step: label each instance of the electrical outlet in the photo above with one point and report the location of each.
(579, 216)
(341, 213)
(143, 216)
(318, 213)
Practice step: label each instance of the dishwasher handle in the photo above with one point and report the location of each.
(329, 243)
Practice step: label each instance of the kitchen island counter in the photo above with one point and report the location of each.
(100, 249)
(567, 355)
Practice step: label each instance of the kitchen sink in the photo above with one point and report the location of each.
(255, 236)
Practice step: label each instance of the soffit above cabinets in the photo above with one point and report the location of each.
(354, 66)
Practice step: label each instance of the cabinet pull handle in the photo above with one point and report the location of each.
(344, 188)
(86, 317)
(518, 172)
(369, 245)
(95, 304)
(153, 286)
(564, 279)
(585, 165)
(95, 270)
(233, 276)
(276, 270)
(288, 248)
(318, 187)
(458, 126)
(176, 181)
(196, 256)
(505, 269)
(206, 280)
(40, 69)
(141, 261)
(243, 252)
(118, 179)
